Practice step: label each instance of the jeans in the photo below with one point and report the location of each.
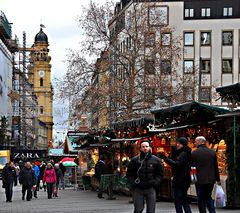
(9, 191)
(204, 197)
(180, 199)
(138, 199)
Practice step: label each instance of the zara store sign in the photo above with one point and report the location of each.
(29, 154)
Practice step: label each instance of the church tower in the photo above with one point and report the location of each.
(42, 81)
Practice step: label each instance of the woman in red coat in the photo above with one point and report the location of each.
(50, 178)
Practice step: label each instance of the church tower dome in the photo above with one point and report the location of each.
(41, 37)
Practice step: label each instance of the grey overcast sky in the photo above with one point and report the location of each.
(59, 18)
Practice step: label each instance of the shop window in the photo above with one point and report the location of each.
(205, 94)
(188, 38)
(166, 39)
(149, 67)
(188, 94)
(166, 67)
(205, 66)
(227, 38)
(189, 13)
(158, 15)
(188, 66)
(227, 66)
(205, 12)
(41, 109)
(205, 38)
(227, 11)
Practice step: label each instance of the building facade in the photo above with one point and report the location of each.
(208, 47)
(8, 47)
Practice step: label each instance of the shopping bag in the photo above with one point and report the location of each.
(193, 175)
(219, 197)
(34, 187)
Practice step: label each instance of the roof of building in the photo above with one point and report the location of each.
(41, 37)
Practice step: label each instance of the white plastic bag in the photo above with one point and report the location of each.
(220, 197)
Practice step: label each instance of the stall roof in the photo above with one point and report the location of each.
(230, 92)
(187, 113)
(133, 122)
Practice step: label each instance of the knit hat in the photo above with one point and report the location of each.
(183, 141)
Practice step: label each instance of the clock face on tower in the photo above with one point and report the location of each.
(41, 73)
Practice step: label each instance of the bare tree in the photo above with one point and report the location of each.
(142, 64)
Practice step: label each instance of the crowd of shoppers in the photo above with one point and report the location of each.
(144, 174)
(32, 177)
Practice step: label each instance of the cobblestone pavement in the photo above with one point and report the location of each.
(78, 201)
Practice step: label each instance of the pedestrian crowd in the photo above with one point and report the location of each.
(33, 176)
(144, 174)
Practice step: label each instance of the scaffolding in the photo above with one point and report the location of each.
(27, 105)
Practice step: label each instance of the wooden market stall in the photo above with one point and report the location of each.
(231, 95)
(190, 120)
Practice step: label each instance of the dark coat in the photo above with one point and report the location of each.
(9, 175)
(99, 169)
(150, 171)
(59, 175)
(27, 177)
(181, 166)
(205, 160)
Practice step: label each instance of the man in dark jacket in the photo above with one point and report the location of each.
(144, 174)
(181, 166)
(9, 178)
(205, 161)
(28, 180)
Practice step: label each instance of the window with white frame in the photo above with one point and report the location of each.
(226, 65)
(205, 12)
(158, 15)
(166, 67)
(227, 11)
(188, 38)
(150, 39)
(150, 94)
(227, 38)
(205, 66)
(188, 66)
(188, 13)
(188, 94)
(205, 94)
(166, 39)
(149, 67)
(205, 38)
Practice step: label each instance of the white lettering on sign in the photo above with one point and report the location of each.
(26, 155)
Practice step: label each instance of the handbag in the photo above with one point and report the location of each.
(219, 197)
(193, 175)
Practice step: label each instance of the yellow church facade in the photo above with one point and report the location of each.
(41, 79)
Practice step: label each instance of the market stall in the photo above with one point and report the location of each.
(189, 120)
(231, 95)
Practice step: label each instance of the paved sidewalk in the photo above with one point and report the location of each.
(80, 201)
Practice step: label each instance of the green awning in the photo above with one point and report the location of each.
(230, 92)
(132, 123)
(187, 113)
